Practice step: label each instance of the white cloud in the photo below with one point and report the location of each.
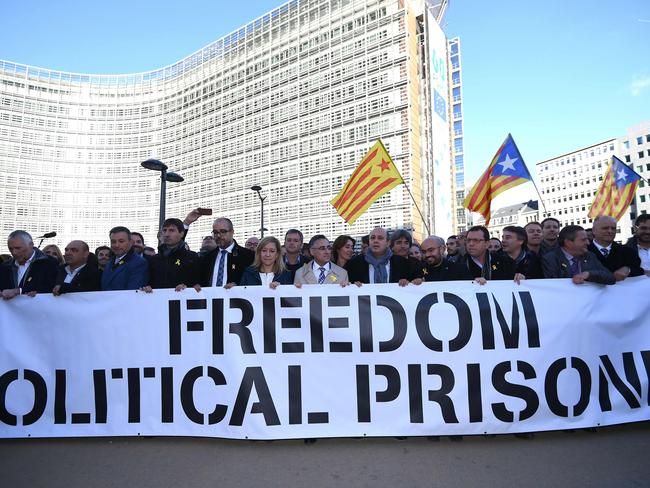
(639, 84)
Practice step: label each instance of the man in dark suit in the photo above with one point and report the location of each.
(29, 271)
(527, 264)
(400, 243)
(174, 266)
(378, 264)
(227, 262)
(437, 267)
(482, 265)
(77, 275)
(127, 270)
(571, 259)
(619, 259)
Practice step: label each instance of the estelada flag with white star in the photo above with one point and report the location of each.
(506, 170)
(375, 176)
(616, 191)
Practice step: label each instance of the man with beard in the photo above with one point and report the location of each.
(174, 266)
(378, 264)
(127, 270)
(77, 274)
(436, 266)
(619, 259)
(226, 263)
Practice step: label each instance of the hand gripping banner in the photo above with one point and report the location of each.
(325, 361)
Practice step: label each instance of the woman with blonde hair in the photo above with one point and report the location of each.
(53, 251)
(268, 266)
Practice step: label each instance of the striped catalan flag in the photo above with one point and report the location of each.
(616, 191)
(375, 176)
(506, 170)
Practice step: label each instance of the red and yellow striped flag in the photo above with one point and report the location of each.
(375, 176)
(616, 191)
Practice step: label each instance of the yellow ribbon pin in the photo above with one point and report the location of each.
(178, 262)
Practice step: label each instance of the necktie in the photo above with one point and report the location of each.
(575, 268)
(222, 266)
(605, 252)
(321, 278)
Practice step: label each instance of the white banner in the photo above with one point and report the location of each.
(324, 361)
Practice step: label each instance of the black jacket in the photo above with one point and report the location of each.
(446, 271)
(496, 267)
(180, 266)
(87, 279)
(40, 275)
(618, 257)
(237, 261)
(358, 269)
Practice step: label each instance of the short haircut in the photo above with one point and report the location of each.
(175, 223)
(568, 233)
(534, 222)
(439, 240)
(102, 248)
(480, 228)
(365, 239)
(139, 235)
(398, 234)
(553, 219)
(294, 231)
(226, 220)
(84, 245)
(118, 229)
(520, 232)
(641, 218)
(25, 236)
(317, 237)
(452, 237)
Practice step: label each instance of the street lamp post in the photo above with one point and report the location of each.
(257, 188)
(165, 176)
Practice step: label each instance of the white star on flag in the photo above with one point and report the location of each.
(621, 175)
(508, 163)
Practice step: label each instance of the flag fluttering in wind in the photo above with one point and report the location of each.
(616, 191)
(506, 170)
(375, 176)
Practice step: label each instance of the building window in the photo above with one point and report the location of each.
(627, 158)
(626, 144)
(639, 140)
(641, 155)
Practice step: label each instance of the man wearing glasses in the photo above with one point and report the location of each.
(320, 270)
(480, 263)
(227, 262)
(641, 241)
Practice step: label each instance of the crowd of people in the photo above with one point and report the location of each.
(538, 250)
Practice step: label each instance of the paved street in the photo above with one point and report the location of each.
(610, 457)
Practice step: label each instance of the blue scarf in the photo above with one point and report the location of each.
(379, 264)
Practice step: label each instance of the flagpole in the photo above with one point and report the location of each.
(418, 208)
(538, 193)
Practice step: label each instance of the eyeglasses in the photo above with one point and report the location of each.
(220, 232)
(323, 248)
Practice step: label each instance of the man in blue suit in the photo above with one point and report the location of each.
(126, 270)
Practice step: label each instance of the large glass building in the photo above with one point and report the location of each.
(290, 101)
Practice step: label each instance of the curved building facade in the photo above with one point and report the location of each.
(290, 101)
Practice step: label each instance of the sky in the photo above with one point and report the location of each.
(558, 75)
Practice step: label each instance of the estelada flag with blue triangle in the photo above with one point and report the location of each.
(616, 191)
(506, 170)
